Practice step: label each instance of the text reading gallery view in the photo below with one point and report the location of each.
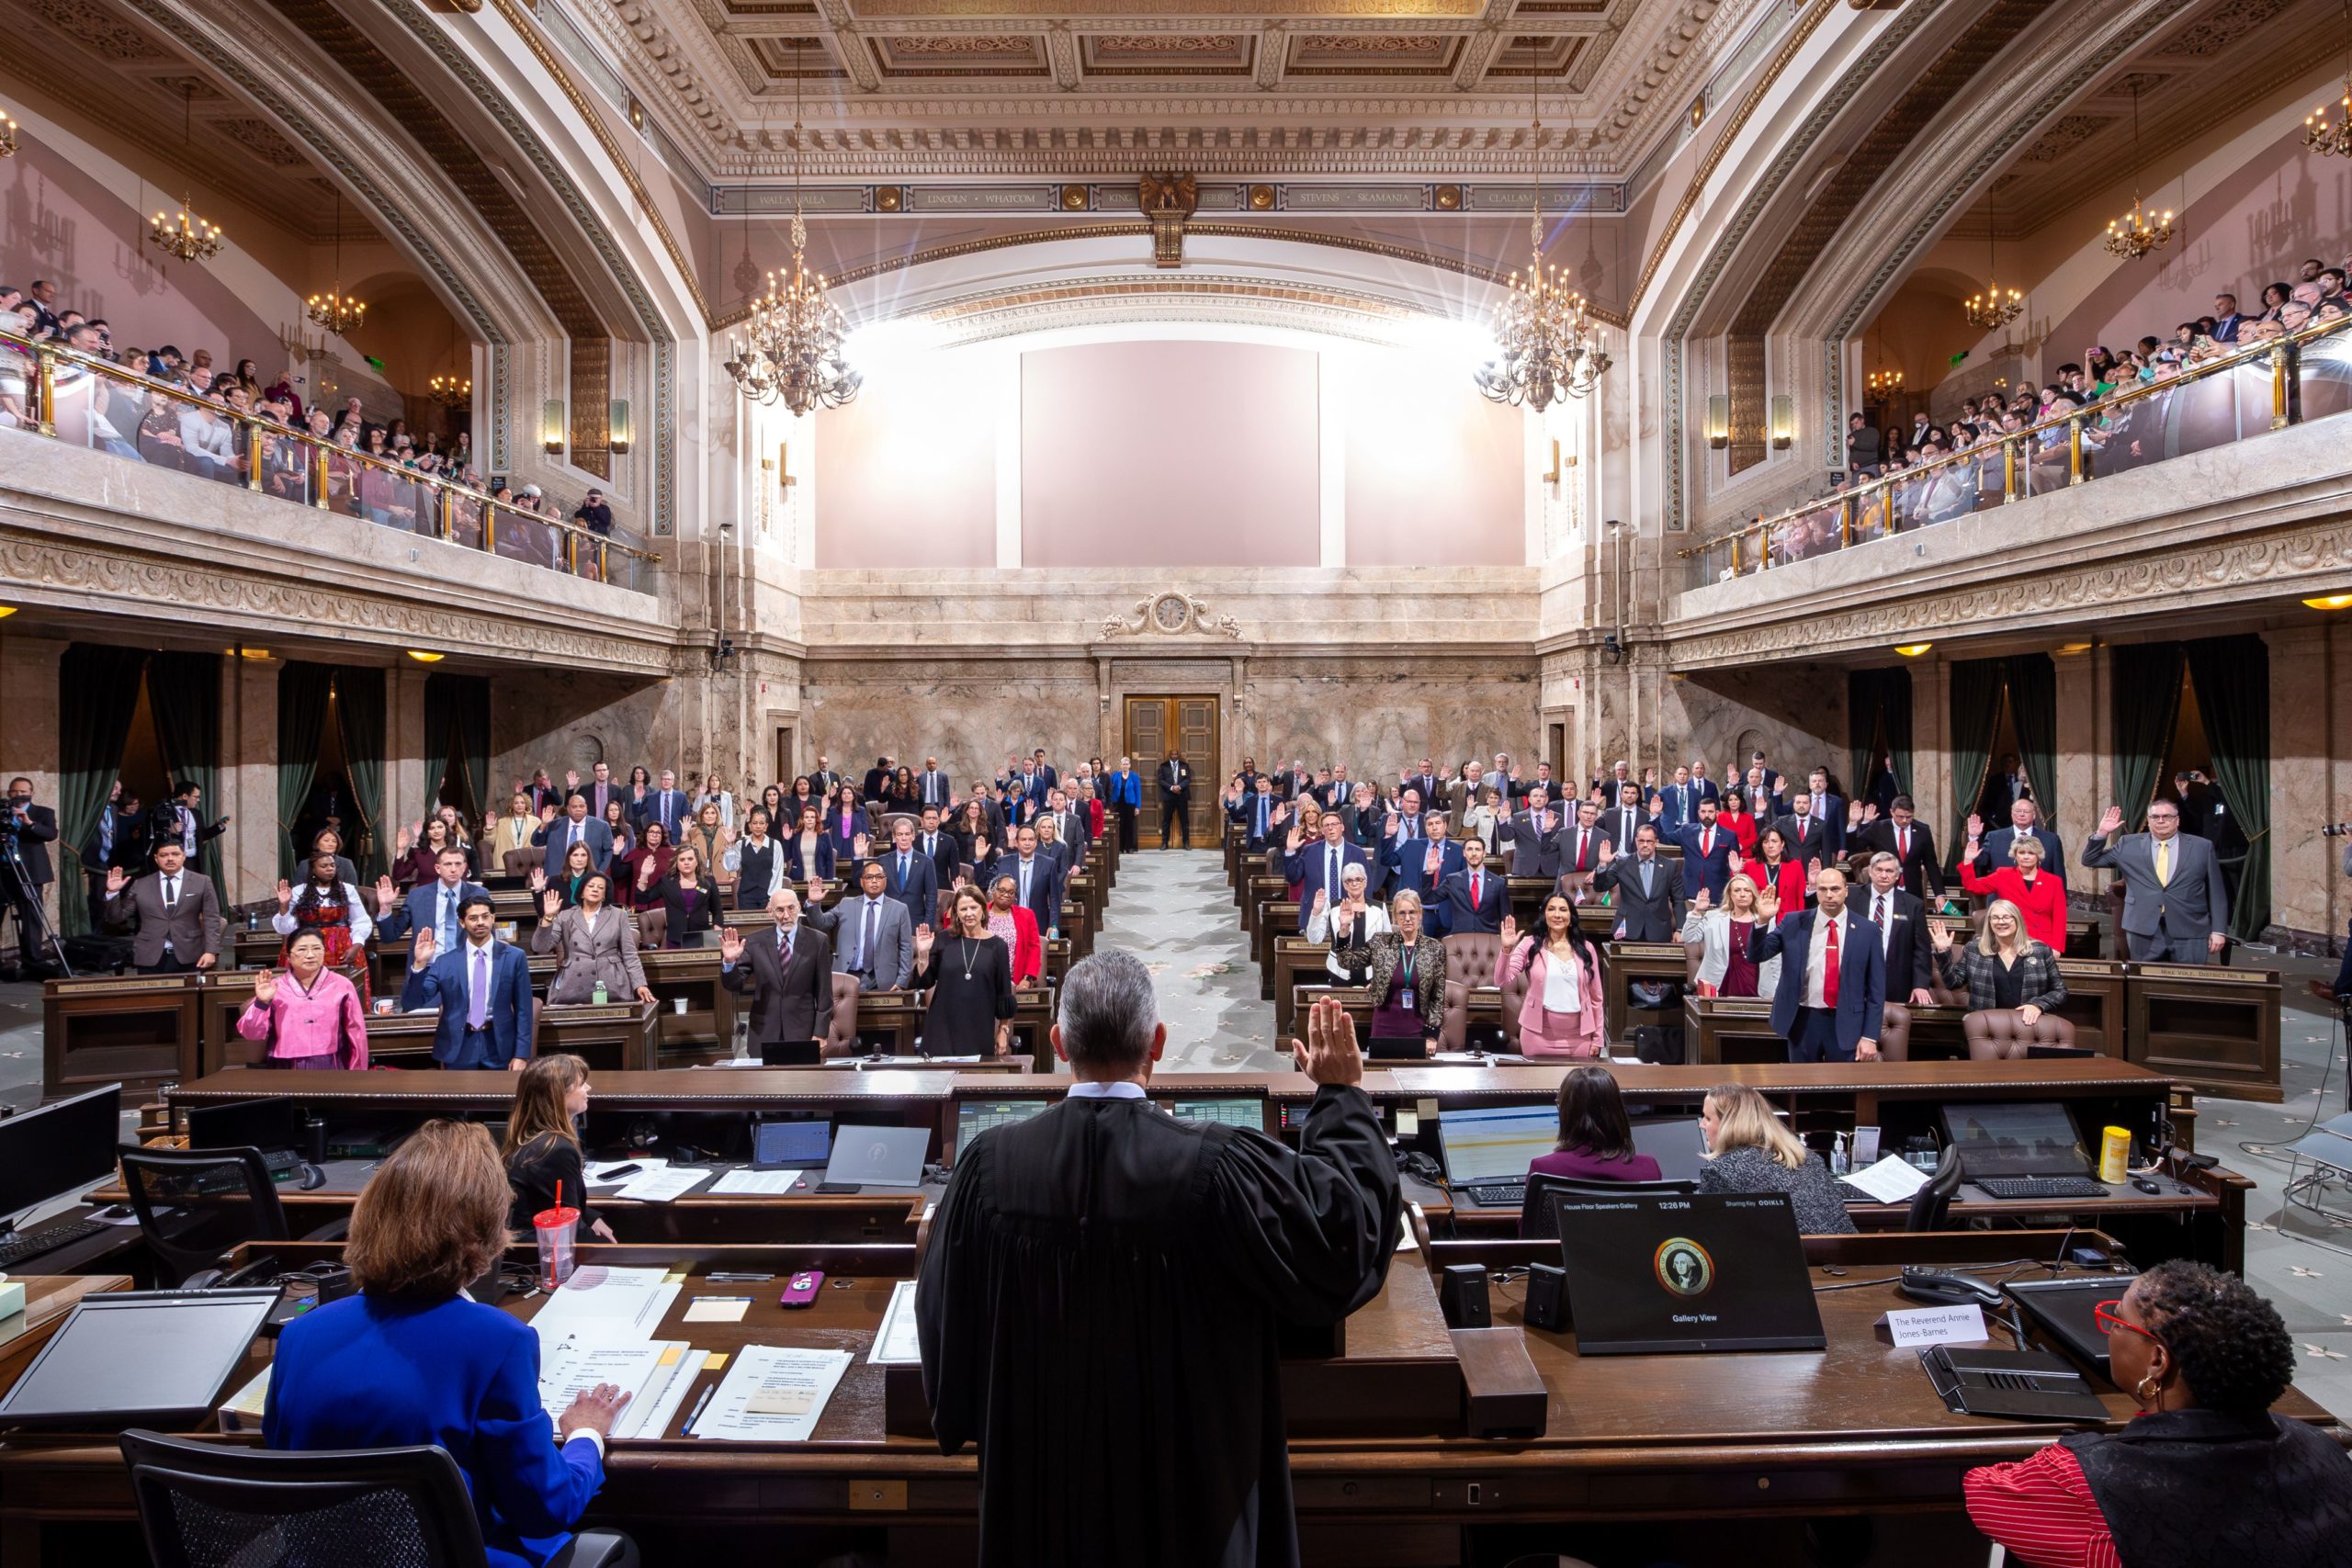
(988, 784)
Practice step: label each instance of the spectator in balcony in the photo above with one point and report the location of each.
(593, 514)
(42, 298)
(159, 430)
(1863, 448)
(2226, 319)
(208, 445)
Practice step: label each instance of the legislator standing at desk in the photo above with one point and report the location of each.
(1127, 1396)
(598, 943)
(1832, 997)
(410, 1359)
(788, 975)
(310, 1016)
(483, 989)
(968, 973)
(2175, 906)
(174, 913)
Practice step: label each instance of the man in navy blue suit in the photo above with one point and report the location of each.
(431, 905)
(1708, 852)
(1832, 998)
(1317, 867)
(1829, 808)
(2025, 819)
(483, 989)
(1475, 899)
(575, 826)
(1423, 863)
(914, 876)
(1678, 803)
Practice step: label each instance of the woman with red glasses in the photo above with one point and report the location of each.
(2204, 1474)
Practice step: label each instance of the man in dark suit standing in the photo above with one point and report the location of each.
(939, 848)
(1707, 853)
(483, 989)
(1474, 899)
(1807, 834)
(1175, 801)
(576, 827)
(175, 910)
(912, 876)
(1580, 847)
(1910, 841)
(1047, 777)
(1900, 921)
(187, 804)
(788, 975)
(1832, 997)
(665, 803)
(2025, 817)
(1647, 890)
(823, 779)
(1535, 835)
(600, 789)
(33, 829)
(1422, 862)
(1678, 805)
(119, 840)
(1831, 809)
(1036, 880)
(1623, 820)
(931, 785)
(1317, 867)
(1261, 813)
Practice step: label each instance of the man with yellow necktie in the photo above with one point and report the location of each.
(2176, 910)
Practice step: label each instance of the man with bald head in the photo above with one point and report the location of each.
(788, 974)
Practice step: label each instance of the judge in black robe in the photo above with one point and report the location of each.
(1099, 1298)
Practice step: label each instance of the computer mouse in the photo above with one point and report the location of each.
(314, 1177)
(2147, 1184)
(111, 1211)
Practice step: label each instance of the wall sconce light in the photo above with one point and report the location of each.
(1784, 422)
(620, 430)
(783, 478)
(2068, 650)
(1718, 423)
(551, 435)
(2331, 602)
(1912, 649)
(1553, 479)
(6, 611)
(422, 657)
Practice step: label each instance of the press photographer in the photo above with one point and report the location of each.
(26, 833)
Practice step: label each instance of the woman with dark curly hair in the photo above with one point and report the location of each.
(2204, 1474)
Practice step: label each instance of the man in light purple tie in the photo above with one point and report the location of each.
(482, 988)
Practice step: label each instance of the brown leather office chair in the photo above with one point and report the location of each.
(1999, 1036)
(519, 862)
(652, 926)
(1469, 963)
(1894, 1032)
(841, 1037)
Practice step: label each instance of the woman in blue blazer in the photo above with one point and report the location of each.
(808, 853)
(410, 1359)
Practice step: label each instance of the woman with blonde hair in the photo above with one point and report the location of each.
(542, 1147)
(1749, 1150)
(1404, 969)
(1723, 937)
(2004, 969)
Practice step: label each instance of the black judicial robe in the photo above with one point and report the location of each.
(1097, 1308)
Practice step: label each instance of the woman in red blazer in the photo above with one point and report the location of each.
(1017, 927)
(1785, 878)
(2041, 895)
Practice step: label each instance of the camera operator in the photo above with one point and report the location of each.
(179, 820)
(119, 839)
(26, 833)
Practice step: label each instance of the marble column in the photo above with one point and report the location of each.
(28, 696)
(1931, 743)
(246, 783)
(407, 791)
(2073, 795)
(2304, 710)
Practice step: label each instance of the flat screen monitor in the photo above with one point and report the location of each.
(264, 1125)
(1495, 1144)
(59, 1149)
(1231, 1110)
(2015, 1137)
(1651, 1273)
(974, 1117)
(803, 1143)
(877, 1156)
(1676, 1143)
(155, 1358)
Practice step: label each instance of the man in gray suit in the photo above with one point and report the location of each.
(872, 937)
(2176, 910)
(175, 912)
(573, 827)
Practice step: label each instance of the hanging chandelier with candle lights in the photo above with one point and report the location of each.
(187, 237)
(7, 135)
(1996, 307)
(451, 391)
(792, 349)
(335, 312)
(2143, 229)
(2333, 139)
(1546, 344)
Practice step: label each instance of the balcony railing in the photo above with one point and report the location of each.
(86, 402)
(2267, 386)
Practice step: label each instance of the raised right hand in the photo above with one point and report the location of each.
(116, 880)
(1329, 1055)
(538, 878)
(265, 986)
(922, 943)
(1508, 932)
(385, 893)
(550, 904)
(285, 894)
(594, 1409)
(1702, 901)
(1767, 906)
(1975, 827)
(2111, 820)
(1940, 933)
(421, 958)
(816, 891)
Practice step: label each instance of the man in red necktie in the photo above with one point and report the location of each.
(1832, 995)
(1475, 899)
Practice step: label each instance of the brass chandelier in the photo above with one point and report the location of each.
(2143, 229)
(187, 237)
(334, 311)
(1546, 344)
(796, 351)
(2334, 141)
(1996, 307)
(451, 391)
(7, 135)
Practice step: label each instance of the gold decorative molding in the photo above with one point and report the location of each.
(1168, 201)
(1171, 615)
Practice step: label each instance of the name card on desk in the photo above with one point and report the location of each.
(1936, 1325)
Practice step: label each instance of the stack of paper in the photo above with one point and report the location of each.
(604, 1305)
(895, 1343)
(661, 1185)
(1891, 1181)
(773, 1394)
(743, 1181)
(599, 1172)
(654, 1374)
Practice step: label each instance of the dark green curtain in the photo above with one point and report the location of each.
(2232, 676)
(184, 691)
(97, 691)
(2033, 708)
(1878, 708)
(301, 731)
(2145, 681)
(1975, 709)
(359, 720)
(456, 733)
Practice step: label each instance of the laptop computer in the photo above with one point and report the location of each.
(877, 1156)
(798, 1143)
(1676, 1143)
(1487, 1151)
(1651, 1273)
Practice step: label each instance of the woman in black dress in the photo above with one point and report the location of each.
(969, 976)
(688, 899)
(542, 1149)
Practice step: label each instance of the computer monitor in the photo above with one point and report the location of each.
(1233, 1110)
(791, 1144)
(264, 1125)
(2015, 1137)
(1495, 1144)
(974, 1117)
(1676, 1143)
(150, 1358)
(1651, 1273)
(59, 1149)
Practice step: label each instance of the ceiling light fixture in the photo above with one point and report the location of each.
(187, 237)
(2141, 229)
(7, 135)
(334, 311)
(1912, 649)
(2334, 141)
(424, 658)
(451, 391)
(1546, 344)
(795, 333)
(1996, 307)
(2331, 602)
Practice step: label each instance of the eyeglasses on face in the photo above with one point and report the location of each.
(2104, 1314)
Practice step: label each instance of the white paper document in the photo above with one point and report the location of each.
(661, 1185)
(895, 1343)
(769, 1182)
(1891, 1181)
(604, 1305)
(773, 1394)
(654, 1374)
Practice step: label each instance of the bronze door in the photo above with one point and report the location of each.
(1186, 727)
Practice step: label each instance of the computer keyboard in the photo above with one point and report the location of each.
(21, 1245)
(1496, 1194)
(2043, 1187)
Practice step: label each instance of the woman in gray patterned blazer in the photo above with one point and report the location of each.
(2003, 968)
(1406, 975)
(598, 944)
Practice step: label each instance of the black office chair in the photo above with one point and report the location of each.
(214, 1506)
(1536, 1220)
(194, 1205)
(1931, 1205)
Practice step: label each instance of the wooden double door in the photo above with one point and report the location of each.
(1157, 728)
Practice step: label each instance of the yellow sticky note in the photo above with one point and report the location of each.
(1408, 1122)
(715, 1362)
(670, 1356)
(718, 1309)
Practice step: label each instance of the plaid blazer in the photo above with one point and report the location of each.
(2039, 983)
(1378, 957)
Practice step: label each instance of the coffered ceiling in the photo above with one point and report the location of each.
(997, 87)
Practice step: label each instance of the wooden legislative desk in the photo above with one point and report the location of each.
(1382, 1470)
